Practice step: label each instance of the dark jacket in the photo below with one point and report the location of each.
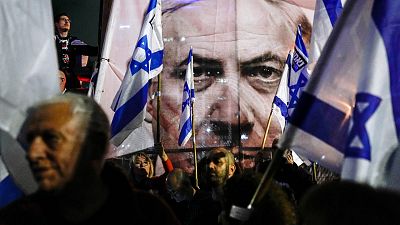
(123, 206)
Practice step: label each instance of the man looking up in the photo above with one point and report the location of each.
(70, 49)
(66, 139)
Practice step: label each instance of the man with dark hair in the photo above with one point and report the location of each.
(66, 139)
(70, 50)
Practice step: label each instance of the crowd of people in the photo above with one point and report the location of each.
(66, 139)
(67, 136)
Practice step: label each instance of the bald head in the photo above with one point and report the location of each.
(179, 185)
(220, 166)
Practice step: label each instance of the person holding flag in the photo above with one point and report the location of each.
(130, 101)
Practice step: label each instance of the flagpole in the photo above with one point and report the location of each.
(194, 148)
(158, 136)
(268, 125)
(193, 126)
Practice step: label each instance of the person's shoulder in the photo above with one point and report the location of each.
(202, 195)
(154, 209)
(23, 211)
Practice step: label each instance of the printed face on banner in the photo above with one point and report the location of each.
(239, 50)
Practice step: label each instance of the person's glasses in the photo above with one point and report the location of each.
(66, 20)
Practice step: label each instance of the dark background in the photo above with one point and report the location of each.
(84, 16)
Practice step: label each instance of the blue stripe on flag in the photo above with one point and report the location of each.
(186, 128)
(152, 5)
(386, 16)
(321, 120)
(299, 41)
(281, 105)
(333, 8)
(128, 111)
(9, 191)
(156, 59)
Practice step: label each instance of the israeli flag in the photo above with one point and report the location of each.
(185, 125)
(348, 118)
(130, 101)
(298, 76)
(9, 191)
(325, 16)
(281, 99)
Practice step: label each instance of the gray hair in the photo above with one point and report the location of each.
(94, 121)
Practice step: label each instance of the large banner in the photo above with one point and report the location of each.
(239, 52)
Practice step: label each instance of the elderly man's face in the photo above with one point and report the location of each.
(53, 137)
(239, 50)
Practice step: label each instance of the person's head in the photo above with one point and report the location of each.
(274, 207)
(62, 22)
(65, 137)
(220, 166)
(142, 166)
(238, 61)
(262, 160)
(348, 203)
(179, 185)
(63, 80)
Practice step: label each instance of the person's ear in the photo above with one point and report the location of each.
(232, 169)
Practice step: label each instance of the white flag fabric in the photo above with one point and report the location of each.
(29, 64)
(325, 16)
(123, 30)
(281, 99)
(130, 101)
(185, 125)
(348, 118)
(29, 74)
(298, 76)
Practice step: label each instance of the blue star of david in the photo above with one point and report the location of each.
(186, 102)
(358, 144)
(135, 65)
(295, 89)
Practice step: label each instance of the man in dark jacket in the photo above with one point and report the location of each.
(70, 50)
(66, 139)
